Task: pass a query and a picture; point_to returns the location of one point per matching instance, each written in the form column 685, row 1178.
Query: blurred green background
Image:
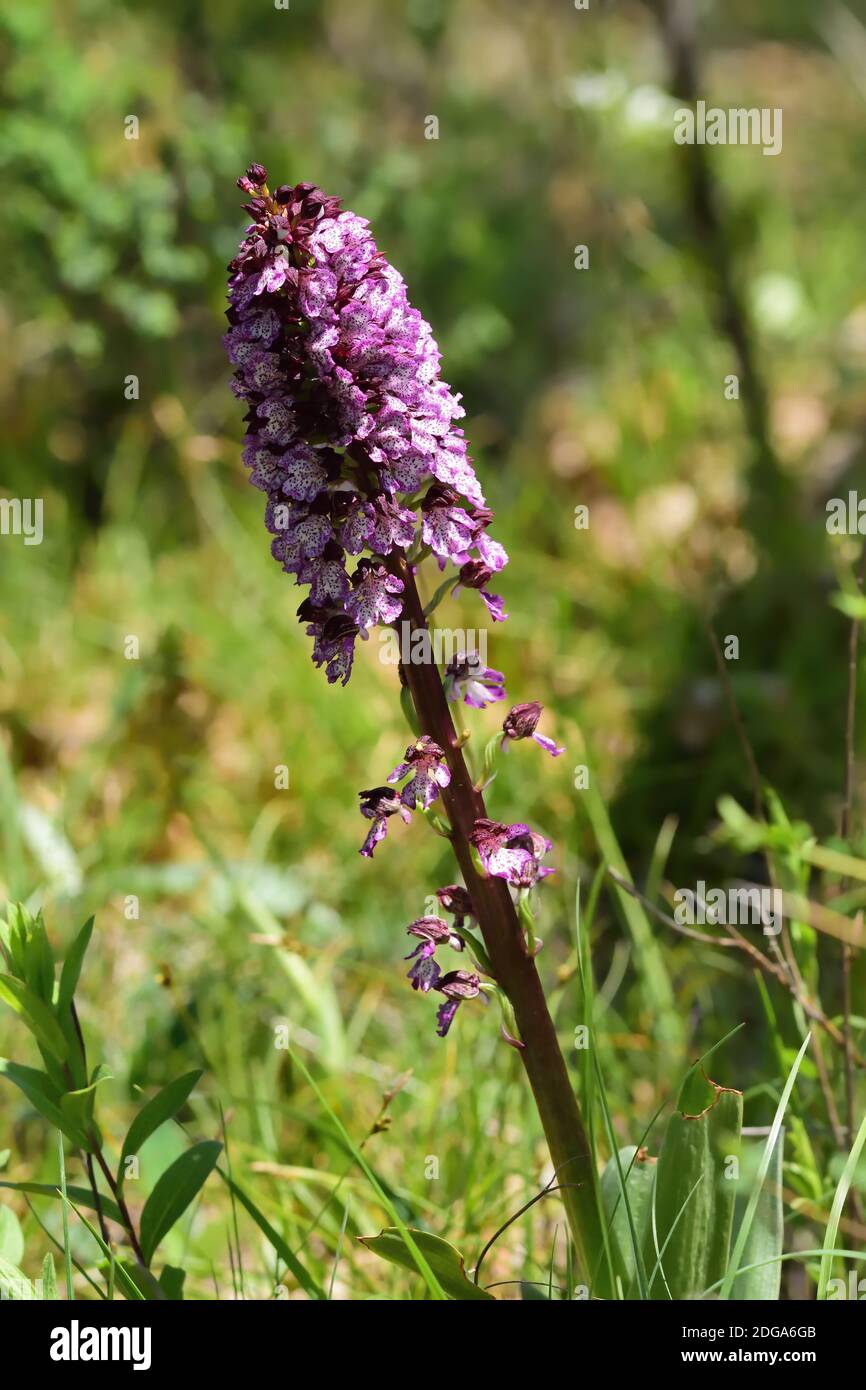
column 603, row 387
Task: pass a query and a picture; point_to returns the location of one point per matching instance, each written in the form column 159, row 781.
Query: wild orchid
column 352, row 436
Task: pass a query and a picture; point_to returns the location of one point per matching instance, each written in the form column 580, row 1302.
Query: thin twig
column 122, row 1207
column 552, row 1186
column 742, row 943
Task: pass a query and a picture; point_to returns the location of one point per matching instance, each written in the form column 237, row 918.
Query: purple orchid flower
column 475, row 575
column 457, row 986
column 468, row 679
column 347, row 416
column 455, row 899
column 377, row 805
column 522, row 721
column 426, row 761
column 512, row 852
column 425, row 973
column 374, row 596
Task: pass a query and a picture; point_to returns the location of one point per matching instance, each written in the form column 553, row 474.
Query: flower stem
column 513, row 967
column 122, row 1207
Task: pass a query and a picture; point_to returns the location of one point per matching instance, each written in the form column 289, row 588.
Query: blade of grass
column 67, row 1253
column 766, row 1157
column 435, row 1288
column 304, row 1278
column 789, row 1255
column 836, row 1209
column 131, row 1289
column 616, row 1274
column 649, row 961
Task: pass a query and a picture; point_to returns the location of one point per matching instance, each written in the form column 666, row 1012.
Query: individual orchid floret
column 426, row 761
column 457, row 986
column 455, row 899
column 448, row 528
column 377, row 804
column 475, row 575
column 468, row 679
column 511, row 852
column 425, row 973
column 521, row 722
column 433, row 932
column 334, row 646
column 374, row 596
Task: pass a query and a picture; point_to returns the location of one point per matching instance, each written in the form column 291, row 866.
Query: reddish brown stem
column 513, row 968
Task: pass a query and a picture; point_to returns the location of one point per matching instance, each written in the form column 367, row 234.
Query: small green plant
column 64, row 1091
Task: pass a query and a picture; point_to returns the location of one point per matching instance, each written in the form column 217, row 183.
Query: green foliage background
column 605, row 387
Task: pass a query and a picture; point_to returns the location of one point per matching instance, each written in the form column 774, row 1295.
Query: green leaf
column 39, row 960
column 82, row 1196
column 445, row 1260
column 178, row 1186
column 72, row 965
column 286, row 1254
column 49, row 1280
column 16, row 934
column 693, row 1206
column 147, row 1284
column 638, row 1171
column 748, row 1216
column 77, row 1107
column 852, row 605
column 11, row 1236
column 764, row 1243
column 44, row 1096
column 155, row 1113
column 14, row 1285
column 36, row 1014
column 171, row 1281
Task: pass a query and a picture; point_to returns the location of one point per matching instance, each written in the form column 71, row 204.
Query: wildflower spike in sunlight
column 347, row 416
column 352, row 437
